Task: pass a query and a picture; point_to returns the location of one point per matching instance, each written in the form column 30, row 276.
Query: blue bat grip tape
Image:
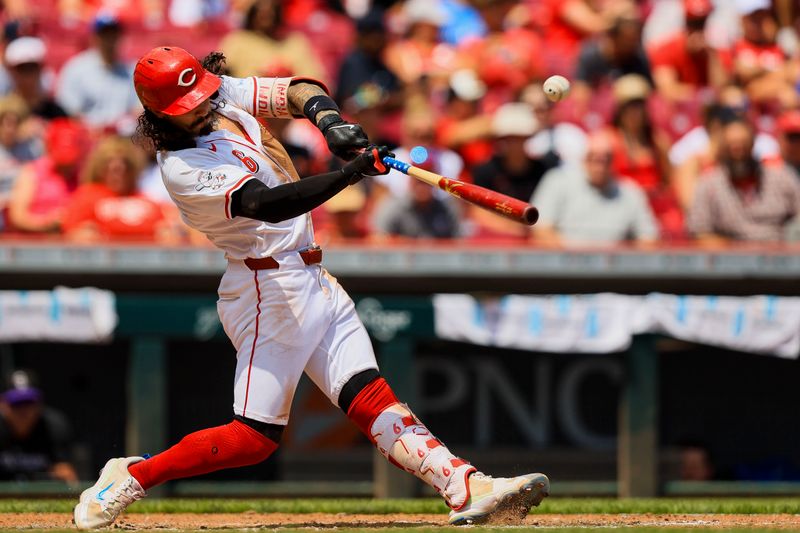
column 395, row 164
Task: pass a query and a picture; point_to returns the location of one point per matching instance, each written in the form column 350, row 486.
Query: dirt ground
column 320, row 520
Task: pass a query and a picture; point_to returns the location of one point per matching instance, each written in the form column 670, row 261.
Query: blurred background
column 641, row 339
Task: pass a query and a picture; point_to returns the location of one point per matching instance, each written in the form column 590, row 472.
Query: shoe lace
column 122, row 497
column 480, row 476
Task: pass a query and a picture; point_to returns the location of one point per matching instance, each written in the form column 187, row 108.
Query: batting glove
column 368, row 163
column 345, row 140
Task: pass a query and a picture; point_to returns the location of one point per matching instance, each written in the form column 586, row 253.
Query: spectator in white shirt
column 97, row 86
column 589, row 205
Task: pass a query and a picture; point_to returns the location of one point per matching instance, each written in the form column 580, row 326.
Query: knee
column 273, row 432
column 355, row 385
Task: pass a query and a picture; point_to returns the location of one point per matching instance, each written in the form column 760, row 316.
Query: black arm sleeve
column 256, row 200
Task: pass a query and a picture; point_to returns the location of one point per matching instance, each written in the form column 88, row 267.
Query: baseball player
column 283, row 312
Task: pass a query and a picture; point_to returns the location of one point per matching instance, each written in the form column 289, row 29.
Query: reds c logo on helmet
column 189, row 83
column 172, row 81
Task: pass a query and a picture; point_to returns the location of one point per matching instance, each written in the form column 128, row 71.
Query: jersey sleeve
column 201, row 184
column 262, row 97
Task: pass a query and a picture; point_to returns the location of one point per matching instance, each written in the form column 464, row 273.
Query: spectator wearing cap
column 420, row 54
column 463, row 126
column 683, row 63
column 789, row 138
column 24, row 59
column 757, row 62
column 96, row 85
column 264, row 47
column 35, row 440
column 741, row 199
column 365, row 63
column 589, row 205
column 343, row 217
column 511, row 170
column 640, row 152
column 44, row 186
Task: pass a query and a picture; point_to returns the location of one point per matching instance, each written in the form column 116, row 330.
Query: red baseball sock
column 369, row 403
column 207, row 450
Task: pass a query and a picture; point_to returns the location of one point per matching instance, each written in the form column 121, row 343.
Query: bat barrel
column 496, row 202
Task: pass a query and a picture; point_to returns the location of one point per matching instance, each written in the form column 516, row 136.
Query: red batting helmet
column 172, row 81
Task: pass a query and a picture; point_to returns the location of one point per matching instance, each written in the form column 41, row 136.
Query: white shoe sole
column 513, row 505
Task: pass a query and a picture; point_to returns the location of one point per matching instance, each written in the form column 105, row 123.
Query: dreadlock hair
column 162, row 134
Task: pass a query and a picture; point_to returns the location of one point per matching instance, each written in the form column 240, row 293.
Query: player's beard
column 206, row 125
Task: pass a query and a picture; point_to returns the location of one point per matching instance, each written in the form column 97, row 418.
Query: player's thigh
column 274, row 326
column 345, row 348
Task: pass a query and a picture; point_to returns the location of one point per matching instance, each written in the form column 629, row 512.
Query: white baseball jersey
column 284, row 321
column 201, row 180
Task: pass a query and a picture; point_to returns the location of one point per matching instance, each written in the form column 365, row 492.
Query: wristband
column 318, row 103
column 329, row 120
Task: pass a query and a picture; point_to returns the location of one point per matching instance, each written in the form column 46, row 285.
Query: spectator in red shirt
column 756, row 60
column 44, row 186
column 566, row 24
column 683, row 63
column 107, row 205
column 463, row 127
column 640, row 152
column 506, row 59
column 789, row 138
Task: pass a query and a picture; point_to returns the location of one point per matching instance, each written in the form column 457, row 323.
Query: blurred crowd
column 683, row 123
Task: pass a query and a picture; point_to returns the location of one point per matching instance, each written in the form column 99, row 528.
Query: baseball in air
column 556, row 88
column 419, row 155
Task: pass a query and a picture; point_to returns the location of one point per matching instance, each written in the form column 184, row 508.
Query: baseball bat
column 503, row 205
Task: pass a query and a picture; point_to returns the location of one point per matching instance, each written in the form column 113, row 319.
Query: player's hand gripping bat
column 503, row 205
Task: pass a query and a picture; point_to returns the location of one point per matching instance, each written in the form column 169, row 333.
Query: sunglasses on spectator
column 599, row 157
column 27, row 67
column 793, row 136
column 696, row 23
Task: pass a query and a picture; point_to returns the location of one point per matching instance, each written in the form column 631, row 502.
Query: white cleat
column 500, row 499
column 116, row 489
